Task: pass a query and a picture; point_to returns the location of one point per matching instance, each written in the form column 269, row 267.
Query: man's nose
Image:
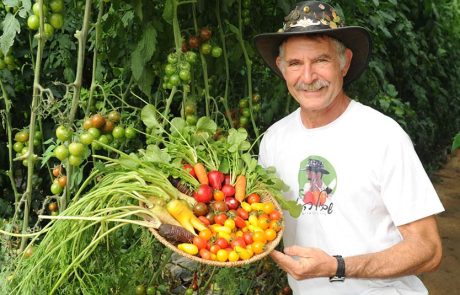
column 308, row 75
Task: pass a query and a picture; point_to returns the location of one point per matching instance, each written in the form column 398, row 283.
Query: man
column 380, row 230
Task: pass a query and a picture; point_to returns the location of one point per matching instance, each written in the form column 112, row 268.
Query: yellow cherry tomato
column 257, row 206
column 258, row 247
column 229, row 223
column 246, row 206
column 268, row 207
column 270, row 234
column 253, row 220
column 222, row 255
column 188, row 248
column 233, row 256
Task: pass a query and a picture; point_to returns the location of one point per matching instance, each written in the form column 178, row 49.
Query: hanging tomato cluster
column 53, row 20
column 21, row 143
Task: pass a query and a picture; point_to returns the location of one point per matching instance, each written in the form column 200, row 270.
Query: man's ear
column 348, row 57
column 279, row 64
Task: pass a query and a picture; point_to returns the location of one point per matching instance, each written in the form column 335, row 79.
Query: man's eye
column 294, row 63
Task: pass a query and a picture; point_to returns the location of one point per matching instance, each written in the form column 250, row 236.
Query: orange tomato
column 253, row 198
column 270, row 234
column 205, row 234
column 214, row 249
column 263, row 222
column 259, row 236
column 268, row 207
column 205, row 254
column 218, row 195
column 275, row 215
column 258, row 247
column 276, row 225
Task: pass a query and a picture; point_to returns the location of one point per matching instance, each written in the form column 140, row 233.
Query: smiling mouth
column 311, row 87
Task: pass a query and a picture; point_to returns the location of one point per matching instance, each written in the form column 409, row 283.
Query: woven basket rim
column 269, row 246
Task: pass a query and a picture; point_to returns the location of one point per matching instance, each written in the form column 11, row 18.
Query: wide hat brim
column 357, row 39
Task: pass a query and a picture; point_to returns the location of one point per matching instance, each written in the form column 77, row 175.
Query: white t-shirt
column 375, row 182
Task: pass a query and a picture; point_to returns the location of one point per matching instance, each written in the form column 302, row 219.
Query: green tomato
column 189, row 291
column 256, row 107
column 38, row 135
column 151, row 291
column 205, row 48
column 140, row 290
column 56, row 5
column 104, row 139
column 96, row 133
column 244, row 103
column 246, row 113
column 190, row 57
column 56, row 20
column 185, row 66
column 49, row 31
column 170, row 69
column 86, row 138
column 244, row 122
column 61, row 152
column 75, row 160
column 76, row 149
column 114, row 116
column 130, row 132
column 63, row 133
column 36, row 9
column 216, row 51
column 184, row 75
column 96, row 145
column 22, row 136
column 174, row 80
column 33, row 22
column 172, row 58
column 118, row 132
column 18, row 146
column 36, row 142
column 55, row 189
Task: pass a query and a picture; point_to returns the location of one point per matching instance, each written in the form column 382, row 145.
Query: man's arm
column 419, row 251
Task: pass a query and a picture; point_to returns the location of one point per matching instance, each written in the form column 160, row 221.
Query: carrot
column 201, row 174
column 240, row 188
column 175, row 234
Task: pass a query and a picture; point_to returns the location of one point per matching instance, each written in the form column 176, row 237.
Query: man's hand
column 303, row 263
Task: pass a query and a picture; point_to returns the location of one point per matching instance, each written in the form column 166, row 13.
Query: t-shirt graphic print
column 317, row 184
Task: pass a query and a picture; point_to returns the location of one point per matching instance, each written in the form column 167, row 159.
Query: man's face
column 311, row 68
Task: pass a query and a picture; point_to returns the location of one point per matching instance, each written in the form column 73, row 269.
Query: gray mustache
column 318, row 84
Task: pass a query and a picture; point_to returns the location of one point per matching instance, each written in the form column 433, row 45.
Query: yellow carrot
column 240, row 188
column 182, row 213
column 201, row 174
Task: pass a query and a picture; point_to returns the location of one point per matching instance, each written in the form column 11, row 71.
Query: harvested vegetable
column 240, row 188
column 175, row 234
column 182, row 213
column 201, row 174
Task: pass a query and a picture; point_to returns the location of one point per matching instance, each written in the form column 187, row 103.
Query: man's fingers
column 297, row 251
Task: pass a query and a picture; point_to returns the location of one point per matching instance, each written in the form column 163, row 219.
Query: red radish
column 203, row 193
column 227, row 179
column 228, row 190
column 215, row 179
column 190, row 169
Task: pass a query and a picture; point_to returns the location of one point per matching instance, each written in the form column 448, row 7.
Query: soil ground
column 447, row 183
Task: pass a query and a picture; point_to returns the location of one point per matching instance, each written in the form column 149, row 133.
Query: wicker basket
column 268, row 247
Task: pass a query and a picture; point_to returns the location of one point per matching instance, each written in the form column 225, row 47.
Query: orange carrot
column 240, row 188
column 201, row 174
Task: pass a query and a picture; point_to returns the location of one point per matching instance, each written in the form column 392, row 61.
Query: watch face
column 336, row 279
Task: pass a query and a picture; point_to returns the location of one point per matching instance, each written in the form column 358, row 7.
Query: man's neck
column 315, row 119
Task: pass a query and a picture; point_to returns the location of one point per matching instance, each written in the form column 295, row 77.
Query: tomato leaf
column 149, row 116
column 10, row 27
column 168, row 11
column 143, row 51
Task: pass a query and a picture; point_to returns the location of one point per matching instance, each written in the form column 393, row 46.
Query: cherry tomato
column 63, row 133
column 114, row 116
column 253, row 198
column 200, row 209
column 55, row 189
column 222, row 255
column 130, row 132
column 86, row 138
column 94, row 132
column 57, row 170
column 190, row 169
column 18, row 146
column 49, row 30
column 205, row 220
column 191, row 56
column 205, row 48
column 221, row 242
column 239, row 241
column 184, row 75
column 219, row 206
column 216, row 51
column 270, row 234
column 36, row 9
column 33, row 22
column 62, row 181
column 188, row 248
column 275, row 215
column 276, row 225
column 118, row 132
column 194, row 42
column 76, row 148
column 56, row 5
column 258, row 247
column 172, row 58
column 170, row 69
column 97, row 121
column 200, row 242
column 220, row 218
column 218, row 195
column 205, row 234
column 61, row 152
column 239, row 222
column 247, row 236
column 75, row 160
column 140, row 290
column 242, row 213
column 205, row 34
column 56, row 20
column 22, row 136
column 87, row 124
column 259, row 236
column 52, row 207
column 214, row 248
column 108, row 126
column 205, row 254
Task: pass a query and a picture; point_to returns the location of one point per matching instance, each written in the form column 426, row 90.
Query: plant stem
column 227, row 71
column 93, row 86
column 27, row 197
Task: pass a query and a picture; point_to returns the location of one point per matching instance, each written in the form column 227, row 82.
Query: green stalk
column 203, row 65
column 227, row 71
column 9, row 129
column 248, row 68
column 36, row 95
column 93, row 86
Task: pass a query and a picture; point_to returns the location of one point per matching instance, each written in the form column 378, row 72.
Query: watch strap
column 340, row 273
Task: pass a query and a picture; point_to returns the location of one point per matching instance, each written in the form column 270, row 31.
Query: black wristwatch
column 340, row 273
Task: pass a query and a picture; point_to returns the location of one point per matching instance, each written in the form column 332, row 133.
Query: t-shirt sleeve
column 406, row 188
